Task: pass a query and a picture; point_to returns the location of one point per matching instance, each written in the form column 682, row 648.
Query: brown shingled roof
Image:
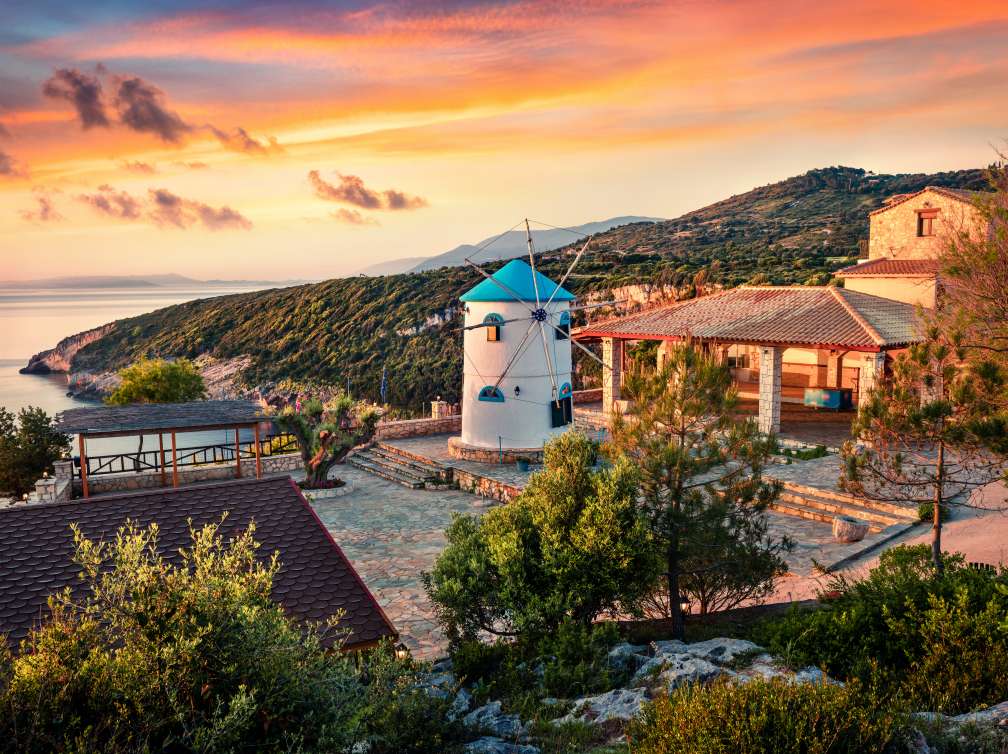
column 152, row 417
column 894, row 201
column 315, row 580
column 785, row 315
column 886, row 267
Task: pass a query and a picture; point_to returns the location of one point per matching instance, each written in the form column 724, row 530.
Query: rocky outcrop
column 60, row 358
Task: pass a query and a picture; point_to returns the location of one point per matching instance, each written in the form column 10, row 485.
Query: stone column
column 769, row 389
column 870, row 371
column 663, row 353
column 612, row 378
column 834, row 369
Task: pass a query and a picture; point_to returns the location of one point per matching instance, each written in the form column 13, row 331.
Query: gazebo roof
column 786, row 315
column 516, row 283
column 155, row 417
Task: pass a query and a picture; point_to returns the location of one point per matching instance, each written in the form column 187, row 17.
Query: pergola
column 162, row 418
column 832, row 323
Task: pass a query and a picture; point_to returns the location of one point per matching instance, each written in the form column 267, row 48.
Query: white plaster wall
column 522, row 422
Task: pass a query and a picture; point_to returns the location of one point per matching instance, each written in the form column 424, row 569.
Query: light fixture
column 401, row 651
column 517, row 391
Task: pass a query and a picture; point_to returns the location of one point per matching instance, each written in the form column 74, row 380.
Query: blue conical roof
column 516, row 276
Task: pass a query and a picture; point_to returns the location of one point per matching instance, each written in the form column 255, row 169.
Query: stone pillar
column 63, row 470
column 664, row 348
column 440, row 409
column 834, row 369
column 769, row 389
column 870, row 371
column 612, row 378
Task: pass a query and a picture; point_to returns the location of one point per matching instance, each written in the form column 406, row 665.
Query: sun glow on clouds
column 488, row 110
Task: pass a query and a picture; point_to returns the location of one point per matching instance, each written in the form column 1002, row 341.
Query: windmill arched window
column 491, row 394
column 562, row 409
column 563, row 329
column 493, row 324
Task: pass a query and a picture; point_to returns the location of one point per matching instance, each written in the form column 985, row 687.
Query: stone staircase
column 824, row 505
column 401, row 467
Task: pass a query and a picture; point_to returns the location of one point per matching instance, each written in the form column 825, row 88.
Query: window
column 491, row 394
column 925, row 222
column 561, row 412
column 493, row 331
column 563, row 329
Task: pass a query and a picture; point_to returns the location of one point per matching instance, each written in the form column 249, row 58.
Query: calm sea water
column 33, row 320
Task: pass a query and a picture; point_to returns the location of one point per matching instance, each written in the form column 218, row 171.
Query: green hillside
column 796, row 231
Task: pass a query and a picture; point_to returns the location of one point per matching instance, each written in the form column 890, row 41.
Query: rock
column 722, row 651
column 438, row 685
column 491, row 745
column 682, row 669
column 628, row 656
column 996, row 715
column 849, row 529
column 670, row 647
column 618, row 704
column 490, row 718
column 917, row 744
column 460, row 705
column 813, row 675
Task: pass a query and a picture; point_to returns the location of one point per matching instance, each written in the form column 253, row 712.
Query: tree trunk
column 936, row 526
column 675, row 608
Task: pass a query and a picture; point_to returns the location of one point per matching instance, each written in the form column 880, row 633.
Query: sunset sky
column 278, row 140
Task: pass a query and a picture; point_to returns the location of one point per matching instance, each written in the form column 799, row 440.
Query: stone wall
column 278, row 464
column 893, row 231
column 485, row 486
column 418, row 427
column 588, row 396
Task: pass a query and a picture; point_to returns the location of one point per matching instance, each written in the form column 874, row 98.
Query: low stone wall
column 278, row 464
column 588, row 396
column 52, row 490
column 485, row 486
column 418, row 427
column 466, row 452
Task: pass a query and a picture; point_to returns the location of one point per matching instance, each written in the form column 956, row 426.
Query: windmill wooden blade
column 492, row 324
column 578, row 345
column 549, row 359
column 569, row 271
column 501, row 285
column 596, row 306
column 519, row 350
column 535, row 283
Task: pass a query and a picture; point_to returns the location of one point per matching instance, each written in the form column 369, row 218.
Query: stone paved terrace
column 391, row 534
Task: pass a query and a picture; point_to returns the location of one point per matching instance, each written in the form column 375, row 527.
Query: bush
column 925, row 511
column 936, row 640
column 573, row 545
column 771, row 716
column 158, row 381
column 28, row 446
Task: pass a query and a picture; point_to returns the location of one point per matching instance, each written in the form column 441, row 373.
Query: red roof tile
column 892, row 268
column 786, row 315
column 315, row 580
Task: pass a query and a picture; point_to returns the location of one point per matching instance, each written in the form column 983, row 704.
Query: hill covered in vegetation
column 796, row 231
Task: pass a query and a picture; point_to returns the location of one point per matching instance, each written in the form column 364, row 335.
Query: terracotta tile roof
column 315, row 579
column 953, row 193
column 786, row 315
column 892, row 268
column 157, row 416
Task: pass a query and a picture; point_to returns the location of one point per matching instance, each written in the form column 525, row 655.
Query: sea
column 36, row 319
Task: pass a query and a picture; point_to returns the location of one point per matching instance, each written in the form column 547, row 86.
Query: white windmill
column 517, row 374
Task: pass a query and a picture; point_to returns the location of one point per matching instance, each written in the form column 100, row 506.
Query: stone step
column 814, row 514
column 424, row 468
column 393, row 450
column 392, row 465
column 819, row 493
column 835, row 508
column 364, row 464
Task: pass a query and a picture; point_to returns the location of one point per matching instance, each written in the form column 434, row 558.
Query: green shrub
column 925, row 511
column 936, row 640
column 573, row 545
column 771, row 716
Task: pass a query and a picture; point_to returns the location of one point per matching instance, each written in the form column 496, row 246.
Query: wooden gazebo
column 160, row 419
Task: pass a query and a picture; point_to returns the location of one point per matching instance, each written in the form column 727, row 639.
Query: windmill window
column 561, row 412
column 563, row 329
column 493, row 324
column 491, row 394
column 926, row 222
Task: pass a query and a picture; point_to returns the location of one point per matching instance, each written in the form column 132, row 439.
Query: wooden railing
column 196, row 455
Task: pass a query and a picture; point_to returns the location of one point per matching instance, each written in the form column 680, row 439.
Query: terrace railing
column 194, row 455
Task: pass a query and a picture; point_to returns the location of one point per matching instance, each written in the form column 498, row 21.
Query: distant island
column 170, row 280
column 512, row 244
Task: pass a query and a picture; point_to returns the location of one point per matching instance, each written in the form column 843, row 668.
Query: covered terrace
column 805, row 346
column 164, row 419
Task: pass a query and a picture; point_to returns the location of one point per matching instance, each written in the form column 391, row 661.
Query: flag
column 384, row 385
